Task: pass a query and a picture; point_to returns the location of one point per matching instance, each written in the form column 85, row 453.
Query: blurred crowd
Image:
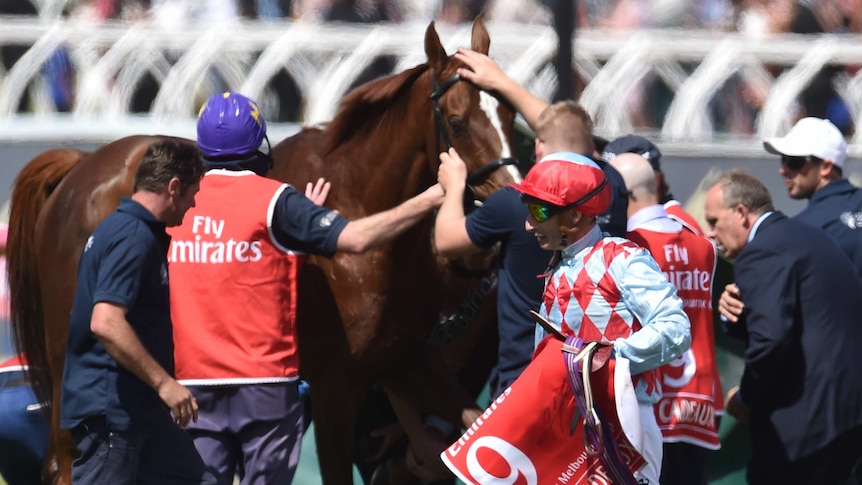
column 734, row 109
column 753, row 17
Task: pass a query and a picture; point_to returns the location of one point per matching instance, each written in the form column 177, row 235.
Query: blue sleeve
column 493, row 222
column 121, row 269
column 665, row 328
column 300, row 225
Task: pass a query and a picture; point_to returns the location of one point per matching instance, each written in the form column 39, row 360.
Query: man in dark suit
column 802, row 384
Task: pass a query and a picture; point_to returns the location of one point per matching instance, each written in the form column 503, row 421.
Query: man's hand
column 452, row 173
column 318, row 191
column 183, row 405
column 423, row 457
column 730, row 304
column 734, row 406
column 389, row 435
column 481, row 70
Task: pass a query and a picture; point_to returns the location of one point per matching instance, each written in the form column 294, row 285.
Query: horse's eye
column 459, row 127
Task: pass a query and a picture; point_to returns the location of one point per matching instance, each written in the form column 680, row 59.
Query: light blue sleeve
column 666, row 330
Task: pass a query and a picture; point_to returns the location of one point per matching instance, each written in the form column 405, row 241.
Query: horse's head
column 477, row 124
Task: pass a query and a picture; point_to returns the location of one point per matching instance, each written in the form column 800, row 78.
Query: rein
column 598, row 436
column 443, row 140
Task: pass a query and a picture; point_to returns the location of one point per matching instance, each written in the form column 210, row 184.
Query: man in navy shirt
column 482, row 71
column 119, row 397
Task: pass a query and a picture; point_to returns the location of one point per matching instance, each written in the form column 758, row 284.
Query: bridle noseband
column 442, row 138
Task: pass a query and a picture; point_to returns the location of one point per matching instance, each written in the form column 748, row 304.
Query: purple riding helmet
column 230, row 124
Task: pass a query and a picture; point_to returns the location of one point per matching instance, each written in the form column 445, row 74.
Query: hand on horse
column 389, row 435
column 452, row 173
column 482, row 71
column 423, row 456
column 183, row 405
column 729, row 304
column 318, row 191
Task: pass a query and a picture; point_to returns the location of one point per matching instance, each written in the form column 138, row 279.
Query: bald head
column 640, row 180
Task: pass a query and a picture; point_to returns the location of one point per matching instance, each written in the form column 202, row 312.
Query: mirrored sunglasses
column 540, row 212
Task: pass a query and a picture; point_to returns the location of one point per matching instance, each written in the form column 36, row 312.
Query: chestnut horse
column 364, row 319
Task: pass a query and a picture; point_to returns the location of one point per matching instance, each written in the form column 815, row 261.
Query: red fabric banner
column 526, row 438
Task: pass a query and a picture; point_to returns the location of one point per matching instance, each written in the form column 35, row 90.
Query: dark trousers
column 23, row 431
column 254, row 431
column 159, row 453
column 830, row 465
column 683, row 464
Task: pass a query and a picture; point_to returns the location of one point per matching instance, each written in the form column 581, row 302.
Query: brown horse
column 364, row 319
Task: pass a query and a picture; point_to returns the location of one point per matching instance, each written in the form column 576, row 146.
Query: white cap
column 811, row 137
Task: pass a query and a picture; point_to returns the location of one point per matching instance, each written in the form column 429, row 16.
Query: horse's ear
column 437, row 57
column 481, row 40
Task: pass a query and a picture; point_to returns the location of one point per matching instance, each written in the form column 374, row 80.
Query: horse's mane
column 365, row 103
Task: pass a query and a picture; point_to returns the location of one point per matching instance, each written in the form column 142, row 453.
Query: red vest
column 676, row 212
column 233, row 288
column 691, row 389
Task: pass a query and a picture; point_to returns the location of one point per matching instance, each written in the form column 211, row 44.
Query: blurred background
column 706, row 80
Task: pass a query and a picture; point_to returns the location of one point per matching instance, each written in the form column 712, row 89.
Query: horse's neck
column 395, row 154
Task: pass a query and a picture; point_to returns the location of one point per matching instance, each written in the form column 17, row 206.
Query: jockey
column 234, row 268
column 602, row 288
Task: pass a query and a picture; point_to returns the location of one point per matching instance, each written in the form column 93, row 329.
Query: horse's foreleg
column 425, row 444
column 334, row 414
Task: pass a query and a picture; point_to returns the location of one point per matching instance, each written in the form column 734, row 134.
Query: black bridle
column 442, row 138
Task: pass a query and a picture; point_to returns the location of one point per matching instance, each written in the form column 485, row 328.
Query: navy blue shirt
column 124, row 262
column 501, row 219
column 301, row 225
column 837, row 208
column 614, row 220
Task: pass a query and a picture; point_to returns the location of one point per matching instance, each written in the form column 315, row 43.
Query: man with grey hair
column 799, row 390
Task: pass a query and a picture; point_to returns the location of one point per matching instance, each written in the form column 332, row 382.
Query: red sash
column 529, row 435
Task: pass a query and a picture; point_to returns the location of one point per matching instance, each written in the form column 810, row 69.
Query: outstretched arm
column 450, row 228
column 372, row 231
column 486, row 74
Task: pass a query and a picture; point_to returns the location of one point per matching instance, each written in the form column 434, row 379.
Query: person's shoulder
column 117, row 225
column 781, row 236
column 504, row 198
column 613, row 245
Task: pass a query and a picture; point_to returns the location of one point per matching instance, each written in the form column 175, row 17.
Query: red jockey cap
column 567, row 180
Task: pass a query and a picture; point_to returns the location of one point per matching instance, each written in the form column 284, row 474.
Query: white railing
column 111, row 59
